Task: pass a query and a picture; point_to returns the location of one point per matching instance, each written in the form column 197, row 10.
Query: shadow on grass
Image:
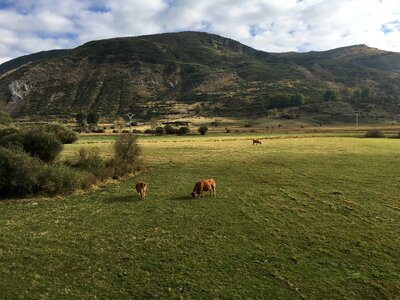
column 123, row 198
column 179, row 198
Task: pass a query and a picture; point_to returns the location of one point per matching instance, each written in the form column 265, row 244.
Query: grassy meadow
column 294, row 218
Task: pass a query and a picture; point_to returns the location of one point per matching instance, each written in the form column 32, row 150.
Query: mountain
column 188, row 73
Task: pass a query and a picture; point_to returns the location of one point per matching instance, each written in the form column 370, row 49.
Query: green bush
column 42, row 144
column 183, row 131
column 13, row 139
column 7, row 131
column 58, row 179
column 159, row 130
column 169, row 129
column 374, row 133
column 65, row 135
column 97, row 130
column 18, row 172
column 21, row 174
column 90, row 161
column 150, row 131
column 127, row 148
column 5, row 118
column 202, row 130
column 126, row 155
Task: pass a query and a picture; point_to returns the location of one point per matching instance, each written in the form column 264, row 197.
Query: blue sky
column 28, row 26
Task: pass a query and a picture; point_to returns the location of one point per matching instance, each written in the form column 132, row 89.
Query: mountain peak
column 186, row 73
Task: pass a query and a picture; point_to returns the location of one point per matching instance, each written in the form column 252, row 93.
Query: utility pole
column 130, row 116
column 356, row 114
column 268, row 122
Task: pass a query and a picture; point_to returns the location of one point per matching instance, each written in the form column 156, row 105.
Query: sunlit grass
column 307, row 217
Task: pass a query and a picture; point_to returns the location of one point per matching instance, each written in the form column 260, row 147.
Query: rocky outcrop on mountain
column 17, row 90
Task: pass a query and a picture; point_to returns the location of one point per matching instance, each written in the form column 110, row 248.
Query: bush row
column 126, row 159
column 22, row 174
column 44, row 142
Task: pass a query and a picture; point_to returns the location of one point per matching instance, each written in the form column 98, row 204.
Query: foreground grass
column 293, row 218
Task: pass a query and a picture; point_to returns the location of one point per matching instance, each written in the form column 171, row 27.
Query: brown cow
column 255, row 142
column 204, row 185
column 141, row 188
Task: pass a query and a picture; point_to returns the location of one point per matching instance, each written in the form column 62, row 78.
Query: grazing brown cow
column 204, row 185
column 141, row 188
column 255, row 142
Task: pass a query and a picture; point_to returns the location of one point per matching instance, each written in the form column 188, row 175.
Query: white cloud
column 291, row 25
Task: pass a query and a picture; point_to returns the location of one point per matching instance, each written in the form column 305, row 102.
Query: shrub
column 126, row 155
column 202, row 130
column 150, row 131
column 58, row 179
column 42, row 144
column 115, row 131
column 169, row 129
column 90, row 161
column 214, row 123
column 159, row 130
column 374, row 133
column 183, row 130
column 18, row 172
column 13, row 139
column 125, row 131
column 97, row 130
column 127, row 148
column 7, row 131
column 5, row 118
column 65, row 135
column 37, row 142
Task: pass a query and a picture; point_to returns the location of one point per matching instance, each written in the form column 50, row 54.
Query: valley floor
column 294, row 218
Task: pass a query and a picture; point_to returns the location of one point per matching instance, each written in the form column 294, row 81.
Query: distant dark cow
column 255, row 142
column 204, row 185
column 141, row 188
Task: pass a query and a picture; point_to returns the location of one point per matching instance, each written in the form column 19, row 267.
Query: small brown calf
column 141, row 188
column 255, row 142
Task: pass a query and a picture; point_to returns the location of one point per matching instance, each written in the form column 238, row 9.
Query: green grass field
column 294, row 218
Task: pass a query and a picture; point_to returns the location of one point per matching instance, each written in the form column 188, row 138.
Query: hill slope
column 181, row 74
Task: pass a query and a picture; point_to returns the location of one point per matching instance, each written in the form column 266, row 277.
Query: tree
column 81, row 119
column 366, row 93
column 169, row 129
column 93, row 118
column 183, row 130
column 297, row 100
column 202, row 130
column 160, row 130
column 330, row 95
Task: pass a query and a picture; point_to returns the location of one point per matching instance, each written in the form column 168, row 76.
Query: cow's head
column 194, row 195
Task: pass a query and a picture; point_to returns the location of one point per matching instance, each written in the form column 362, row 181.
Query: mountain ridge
column 188, row 73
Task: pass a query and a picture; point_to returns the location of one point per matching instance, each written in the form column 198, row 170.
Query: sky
column 29, row 26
